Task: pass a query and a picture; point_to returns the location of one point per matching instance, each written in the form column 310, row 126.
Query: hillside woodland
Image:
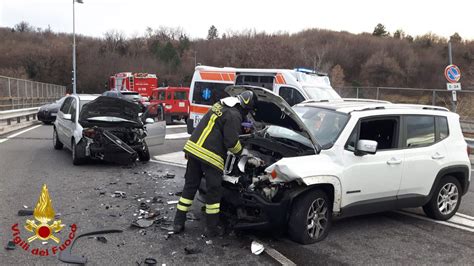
column 368, row 59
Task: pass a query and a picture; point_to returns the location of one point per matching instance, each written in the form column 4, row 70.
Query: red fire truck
column 142, row 83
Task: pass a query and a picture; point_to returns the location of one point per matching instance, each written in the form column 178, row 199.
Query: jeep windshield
column 324, row 124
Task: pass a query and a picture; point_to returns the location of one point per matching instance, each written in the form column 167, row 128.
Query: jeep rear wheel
column 310, row 217
column 445, row 200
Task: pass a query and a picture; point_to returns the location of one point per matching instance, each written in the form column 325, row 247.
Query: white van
column 293, row 85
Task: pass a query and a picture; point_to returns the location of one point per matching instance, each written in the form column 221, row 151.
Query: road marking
column 456, row 221
column 176, row 126
column 465, row 216
column 182, row 135
column 168, row 163
column 18, row 133
column 278, row 256
column 174, row 158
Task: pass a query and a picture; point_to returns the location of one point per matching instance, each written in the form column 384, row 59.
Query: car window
column 420, row 130
column 72, row 110
column 291, row 96
column 384, row 130
column 66, row 105
column 442, row 125
column 209, row 93
column 161, row 95
column 180, row 95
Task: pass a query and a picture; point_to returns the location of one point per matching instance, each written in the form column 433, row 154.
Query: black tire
column 77, row 159
column 144, row 155
column 56, row 142
column 298, row 225
column 432, row 208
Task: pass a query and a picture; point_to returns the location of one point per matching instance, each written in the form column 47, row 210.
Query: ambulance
column 293, row 85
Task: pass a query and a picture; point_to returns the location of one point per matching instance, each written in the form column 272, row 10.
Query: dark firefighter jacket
column 217, row 132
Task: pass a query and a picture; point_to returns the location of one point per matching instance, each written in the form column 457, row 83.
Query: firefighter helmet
column 247, row 100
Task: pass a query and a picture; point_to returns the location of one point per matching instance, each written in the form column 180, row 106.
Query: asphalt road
column 82, row 196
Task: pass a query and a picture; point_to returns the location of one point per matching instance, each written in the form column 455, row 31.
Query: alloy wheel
column 448, row 198
column 317, row 219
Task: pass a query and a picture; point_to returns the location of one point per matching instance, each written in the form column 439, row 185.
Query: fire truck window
column 180, row 95
column 168, row 95
column 161, row 95
column 209, row 93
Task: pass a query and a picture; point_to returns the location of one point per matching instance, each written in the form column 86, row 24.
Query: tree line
column 379, row 58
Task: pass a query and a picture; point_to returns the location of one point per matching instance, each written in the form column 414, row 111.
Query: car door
column 61, row 121
column 425, row 153
column 373, row 180
column 156, row 130
column 69, row 124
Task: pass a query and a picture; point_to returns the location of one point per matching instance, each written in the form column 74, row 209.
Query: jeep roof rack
column 364, row 100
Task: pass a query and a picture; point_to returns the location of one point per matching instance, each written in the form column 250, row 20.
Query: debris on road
column 167, row 228
column 10, row 245
column 257, row 248
column 171, row 202
column 25, row 212
column 150, row 261
column 142, row 223
column 119, row 194
column 24, row 206
column 191, row 251
column 101, row 239
column 209, row 242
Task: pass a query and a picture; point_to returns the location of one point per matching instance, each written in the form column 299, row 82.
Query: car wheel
column 446, row 199
column 144, row 155
column 56, row 143
column 310, row 217
column 76, row 158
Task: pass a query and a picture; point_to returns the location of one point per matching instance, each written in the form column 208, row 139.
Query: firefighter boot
column 213, row 228
column 179, row 220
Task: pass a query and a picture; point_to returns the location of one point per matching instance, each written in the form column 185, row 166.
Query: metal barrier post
column 377, row 93
column 433, row 100
column 357, row 92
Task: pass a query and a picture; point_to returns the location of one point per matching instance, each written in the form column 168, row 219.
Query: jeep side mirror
column 365, row 146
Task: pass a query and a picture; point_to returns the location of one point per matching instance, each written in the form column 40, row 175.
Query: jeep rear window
column 208, row 93
column 420, row 130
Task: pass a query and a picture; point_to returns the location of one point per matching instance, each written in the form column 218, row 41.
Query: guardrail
column 14, row 119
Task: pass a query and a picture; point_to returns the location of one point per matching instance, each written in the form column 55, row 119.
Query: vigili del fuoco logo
column 44, row 228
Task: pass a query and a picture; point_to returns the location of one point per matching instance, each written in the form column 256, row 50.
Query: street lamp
column 74, row 46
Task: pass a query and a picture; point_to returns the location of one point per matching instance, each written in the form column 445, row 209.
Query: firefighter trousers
column 196, row 170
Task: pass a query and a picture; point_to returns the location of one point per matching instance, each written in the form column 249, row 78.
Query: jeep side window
column 382, row 130
column 442, row 126
column 420, row 130
column 290, row 95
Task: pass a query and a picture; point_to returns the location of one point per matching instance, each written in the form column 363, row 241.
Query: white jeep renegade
column 317, row 160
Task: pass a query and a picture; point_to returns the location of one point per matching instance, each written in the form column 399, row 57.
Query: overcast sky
column 95, row 17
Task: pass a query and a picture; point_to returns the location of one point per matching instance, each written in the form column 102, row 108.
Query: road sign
column 453, row 86
column 452, row 73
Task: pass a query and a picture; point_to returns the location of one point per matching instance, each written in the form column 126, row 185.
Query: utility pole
column 74, row 83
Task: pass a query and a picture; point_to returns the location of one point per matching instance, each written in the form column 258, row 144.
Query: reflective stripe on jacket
column 217, row 132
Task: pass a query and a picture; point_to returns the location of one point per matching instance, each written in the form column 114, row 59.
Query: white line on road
column 18, row 133
column 175, row 126
column 278, row 256
column 183, row 135
column 458, row 221
column 174, row 158
column 465, row 216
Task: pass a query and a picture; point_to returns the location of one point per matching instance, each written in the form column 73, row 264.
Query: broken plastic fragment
column 170, row 202
column 101, row 239
column 190, row 251
column 10, row 245
column 142, row 223
column 257, row 248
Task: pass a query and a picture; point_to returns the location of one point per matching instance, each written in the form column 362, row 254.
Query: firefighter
column 217, row 133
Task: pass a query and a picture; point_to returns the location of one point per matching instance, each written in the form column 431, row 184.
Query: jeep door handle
column 394, row 161
column 437, row 156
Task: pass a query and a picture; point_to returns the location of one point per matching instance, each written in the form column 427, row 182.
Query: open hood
column 273, row 110
column 104, row 106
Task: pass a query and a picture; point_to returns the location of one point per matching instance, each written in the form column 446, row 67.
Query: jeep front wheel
column 310, row 218
column 445, row 200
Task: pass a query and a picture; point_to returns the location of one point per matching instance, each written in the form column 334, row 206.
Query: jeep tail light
column 89, row 132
